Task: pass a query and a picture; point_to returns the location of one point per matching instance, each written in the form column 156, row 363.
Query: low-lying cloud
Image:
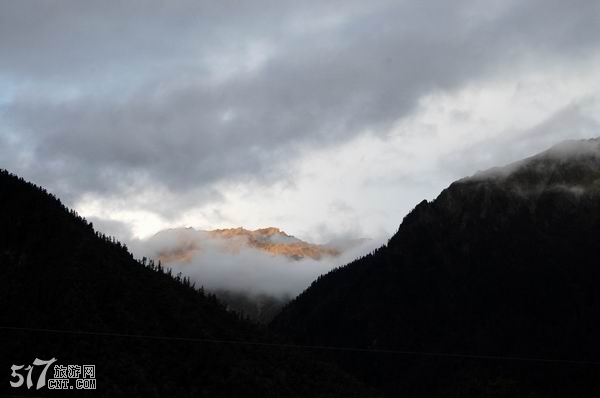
column 248, row 270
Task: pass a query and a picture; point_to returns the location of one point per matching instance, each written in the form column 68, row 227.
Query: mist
column 247, row 270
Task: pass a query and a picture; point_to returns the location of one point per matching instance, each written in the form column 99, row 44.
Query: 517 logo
column 41, row 382
column 83, row 376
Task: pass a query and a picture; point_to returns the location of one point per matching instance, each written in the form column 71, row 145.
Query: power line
column 306, row 347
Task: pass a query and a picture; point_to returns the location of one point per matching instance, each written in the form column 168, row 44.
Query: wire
column 306, row 347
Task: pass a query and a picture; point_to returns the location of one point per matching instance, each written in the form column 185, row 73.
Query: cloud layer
column 151, row 113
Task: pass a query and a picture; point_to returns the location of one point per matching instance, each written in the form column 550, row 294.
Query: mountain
column 491, row 289
column 181, row 244
column 69, row 292
column 255, row 272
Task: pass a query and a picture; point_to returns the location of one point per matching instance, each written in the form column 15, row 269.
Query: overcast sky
column 323, row 118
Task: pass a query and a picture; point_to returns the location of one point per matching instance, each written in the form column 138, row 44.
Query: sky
column 323, row 118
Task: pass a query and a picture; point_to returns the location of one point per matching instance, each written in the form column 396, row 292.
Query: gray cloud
column 114, row 96
column 117, row 229
column 570, row 122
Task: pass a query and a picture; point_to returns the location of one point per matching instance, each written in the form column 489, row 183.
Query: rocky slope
column 182, row 243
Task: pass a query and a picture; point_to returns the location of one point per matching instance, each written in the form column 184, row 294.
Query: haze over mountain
column 254, row 272
column 501, row 264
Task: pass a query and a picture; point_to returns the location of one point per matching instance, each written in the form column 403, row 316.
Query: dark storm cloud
column 62, row 39
column 186, row 94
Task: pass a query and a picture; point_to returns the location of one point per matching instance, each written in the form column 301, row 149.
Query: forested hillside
column 502, row 264
column 73, row 294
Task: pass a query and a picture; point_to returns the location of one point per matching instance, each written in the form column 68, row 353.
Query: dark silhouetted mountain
column 58, row 274
column 260, row 308
column 504, row 264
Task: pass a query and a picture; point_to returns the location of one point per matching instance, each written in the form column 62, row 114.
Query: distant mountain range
column 183, row 243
